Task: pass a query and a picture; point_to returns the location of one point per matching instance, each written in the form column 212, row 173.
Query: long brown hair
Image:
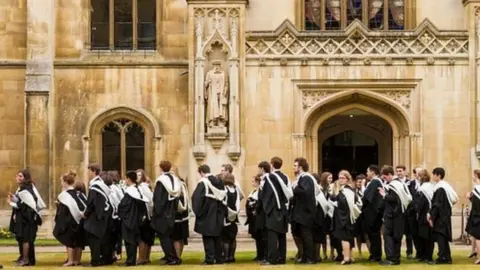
column 424, row 176
column 324, row 181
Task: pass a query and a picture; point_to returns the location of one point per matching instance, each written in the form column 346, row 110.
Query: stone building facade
column 345, row 83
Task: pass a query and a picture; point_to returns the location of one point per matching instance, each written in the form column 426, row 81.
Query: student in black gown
column 423, row 204
column 147, row 233
column 209, row 209
column 396, row 200
column 117, row 193
column 346, row 212
column 98, row 219
column 440, row 218
column 359, row 231
column 473, row 223
column 25, row 218
column 335, row 244
column 297, row 239
column 132, row 211
column 373, row 213
column 410, row 215
column 319, row 236
column 165, row 205
column 68, row 219
column 181, row 229
column 230, row 228
column 274, row 196
column 325, row 183
column 81, row 190
column 250, row 207
column 304, row 209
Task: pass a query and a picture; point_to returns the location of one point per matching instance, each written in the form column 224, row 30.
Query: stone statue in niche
column 216, row 96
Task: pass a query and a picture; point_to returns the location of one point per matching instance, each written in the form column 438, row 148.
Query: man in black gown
column 440, row 218
column 411, row 223
column 373, row 212
column 396, row 199
column 209, row 209
column 165, row 204
column 276, row 163
column 274, row 203
column 99, row 222
column 304, row 210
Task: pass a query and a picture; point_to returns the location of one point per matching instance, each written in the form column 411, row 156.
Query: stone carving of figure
column 216, row 95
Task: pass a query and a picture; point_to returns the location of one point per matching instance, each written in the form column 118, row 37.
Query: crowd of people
column 314, row 207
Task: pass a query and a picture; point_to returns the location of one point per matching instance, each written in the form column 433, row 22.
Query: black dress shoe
column 207, row 263
column 472, row 255
column 266, row 263
column 387, row 262
column 440, row 262
column 173, row 263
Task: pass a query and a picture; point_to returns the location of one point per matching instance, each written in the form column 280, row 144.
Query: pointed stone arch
column 92, row 139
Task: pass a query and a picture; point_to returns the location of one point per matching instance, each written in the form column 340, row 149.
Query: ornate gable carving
column 426, row 41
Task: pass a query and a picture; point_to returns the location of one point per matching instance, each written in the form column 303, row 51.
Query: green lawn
column 193, row 259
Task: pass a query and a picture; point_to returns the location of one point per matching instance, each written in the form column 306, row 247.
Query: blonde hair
column 348, row 176
column 477, row 173
column 336, row 187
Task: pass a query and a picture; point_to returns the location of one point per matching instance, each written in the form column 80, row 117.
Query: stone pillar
column 38, row 85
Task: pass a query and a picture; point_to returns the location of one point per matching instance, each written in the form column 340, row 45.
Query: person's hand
column 469, row 195
column 381, row 191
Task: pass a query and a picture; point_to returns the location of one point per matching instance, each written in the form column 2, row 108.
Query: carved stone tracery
column 425, row 42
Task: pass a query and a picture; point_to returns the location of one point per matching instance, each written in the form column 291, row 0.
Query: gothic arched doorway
column 352, row 140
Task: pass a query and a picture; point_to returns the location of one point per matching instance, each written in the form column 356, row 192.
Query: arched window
column 123, row 24
column 338, row 14
column 123, row 146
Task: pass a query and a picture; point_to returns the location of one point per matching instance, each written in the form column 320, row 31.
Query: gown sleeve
column 198, row 200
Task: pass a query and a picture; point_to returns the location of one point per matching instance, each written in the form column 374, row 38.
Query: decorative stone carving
column 367, row 61
column 216, row 91
column 310, row 98
column 357, row 40
column 401, row 97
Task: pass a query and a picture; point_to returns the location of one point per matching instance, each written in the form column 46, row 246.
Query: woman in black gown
column 359, row 231
column 230, row 229
column 25, row 218
column 473, row 223
column 250, row 206
column 325, row 183
column 423, row 206
column 68, row 217
column 319, row 235
column 180, row 229
column 345, row 215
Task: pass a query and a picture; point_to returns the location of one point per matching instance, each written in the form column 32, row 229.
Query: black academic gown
column 250, row 206
column 422, row 207
column 132, row 213
column 393, row 217
column 304, row 209
column 24, row 220
column 66, row 228
column 411, row 226
column 209, row 212
column 473, row 223
column 275, row 218
column 99, row 221
column 372, row 207
column 343, row 229
column 164, row 210
column 441, row 214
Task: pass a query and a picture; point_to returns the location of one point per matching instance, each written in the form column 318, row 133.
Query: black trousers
column 425, row 248
column 166, row 242
column 308, row 245
column 336, row 244
column 375, row 245
column 277, row 247
column 31, row 252
column 131, row 250
column 213, row 249
column 444, row 253
column 117, row 243
column 260, row 246
column 95, row 249
column 392, row 248
column 412, row 241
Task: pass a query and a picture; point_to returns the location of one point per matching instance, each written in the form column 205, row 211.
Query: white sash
column 40, row 203
column 254, row 196
column 451, row 194
column 354, row 210
column 286, row 191
column 219, row 195
column 232, row 214
column 133, row 192
column 100, row 187
column 173, row 192
column 147, row 192
column 427, row 190
column 402, row 191
column 185, row 205
column 66, row 199
column 476, row 191
column 27, row 198
column 322, row 201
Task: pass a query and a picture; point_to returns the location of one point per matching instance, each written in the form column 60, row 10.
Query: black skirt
column 147, row 233
column 229, row 233
column 181, row 232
